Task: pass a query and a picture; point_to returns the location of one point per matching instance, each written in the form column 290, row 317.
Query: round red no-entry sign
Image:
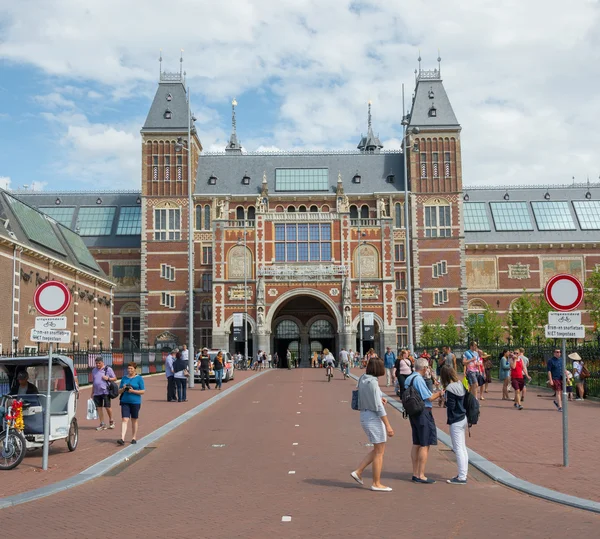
column 564, row 292
column 52, row 298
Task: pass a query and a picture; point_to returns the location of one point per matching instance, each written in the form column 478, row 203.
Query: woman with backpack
column 456, row 395
column 505, row 373
column 374, row 421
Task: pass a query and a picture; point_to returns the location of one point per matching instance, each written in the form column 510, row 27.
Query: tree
column 427, row 335
column 522, row 320
column 486, row 327
column 541, row 310
column 451, row 334
column 438, row 330
column 592, row 297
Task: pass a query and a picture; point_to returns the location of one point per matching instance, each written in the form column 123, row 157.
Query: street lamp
column 360, row 313
column 239, row 242
column 179, row 146
column 406, row 144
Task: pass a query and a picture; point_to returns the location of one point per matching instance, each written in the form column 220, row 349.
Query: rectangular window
column 167, row 224
column 167, row 272
column 400, row 280
column 155, row 168
column 301, row 179
column 303, row 243
column 511, row 216
column 121, row 272
column 167, row 168
column 198, row 217
column 402, row 334
column 437, row 222
column 401, row 310
column 399, row 252
column 435, row 165
column 207, row 282
column 207, row 255
column 130, row 221
column 476, row 219
column 551, row 215
column 440, row 297
column 167, row 300
column 179, row 168
column 423, row 156
column 588, row 214
column 61, row 214
column 439, row 269
column 95, row 221
column 206, row 338
column 447, row 164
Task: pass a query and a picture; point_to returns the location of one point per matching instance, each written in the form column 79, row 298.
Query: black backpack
column 113, row 388
column 412, row 401
column 472, row 409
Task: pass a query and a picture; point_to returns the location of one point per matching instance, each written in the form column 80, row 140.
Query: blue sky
column 77, row 78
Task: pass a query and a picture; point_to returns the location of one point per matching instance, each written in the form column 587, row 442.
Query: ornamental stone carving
column 334, row 292
column 239, row 260
column 518, row 271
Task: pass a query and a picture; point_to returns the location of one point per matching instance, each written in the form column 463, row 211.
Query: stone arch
column 130, row 308
column 376, row 317
column 477, row 304
column 229, row 324
column 324, row 298
column 235, row 262
column 369, row 259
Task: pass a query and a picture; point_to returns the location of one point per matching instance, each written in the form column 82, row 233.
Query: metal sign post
column 47, row 414
column 564, row 293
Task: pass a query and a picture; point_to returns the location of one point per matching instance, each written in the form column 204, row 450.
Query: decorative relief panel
column 399, row 234
column 239, row 258
column 369, row 291
column 519, row 271
column 367, row 262
column 334, row 292
column 236, row 293
column 273, row 292
column 481, row 273
column 202, row 236
column 561, row 264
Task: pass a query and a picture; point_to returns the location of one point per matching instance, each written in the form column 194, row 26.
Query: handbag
column 354, row 403
column 92, row 411
column 584, row 373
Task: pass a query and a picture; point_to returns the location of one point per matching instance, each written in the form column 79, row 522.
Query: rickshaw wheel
column 12, row 450
column 73, row 438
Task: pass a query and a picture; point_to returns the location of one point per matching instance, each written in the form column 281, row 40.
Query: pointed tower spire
column 160, row 64
column 439, row 63
column 234, row 145
column 370, row 143
column 181, row 65
column 419, row 60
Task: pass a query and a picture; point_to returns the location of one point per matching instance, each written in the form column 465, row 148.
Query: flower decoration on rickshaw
column 16, row 415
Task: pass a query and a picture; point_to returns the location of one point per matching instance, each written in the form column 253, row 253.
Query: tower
column 166, row 155
column 370, row 143
column 435, row 176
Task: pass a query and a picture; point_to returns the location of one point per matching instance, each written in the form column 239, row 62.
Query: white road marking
column 286, row 519
column 296, row 425
column 291, row 472
column 295, row 443
column 298, row 412
column 218, row 445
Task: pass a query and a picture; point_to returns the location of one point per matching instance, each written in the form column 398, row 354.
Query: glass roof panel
column 511, row 216
column 130, row 221
column 62, row 214
column 79, row 248
column 551, row 215
column 476, row 219
column 588, row 214
column 301, row 179
column 95, row 221
column 36, row 226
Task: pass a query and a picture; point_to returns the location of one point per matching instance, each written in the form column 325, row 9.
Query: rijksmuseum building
column 304, row 241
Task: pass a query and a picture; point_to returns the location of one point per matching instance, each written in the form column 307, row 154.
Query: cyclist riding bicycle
column 328, row 361
column 344, row 362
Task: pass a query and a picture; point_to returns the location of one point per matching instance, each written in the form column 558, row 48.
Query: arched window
column 314, row 209
column 206, row 217
column 198, row 217
column 398, row 211
column 364, row 212
column 353, row 212
column 302, row 209
column 287, row 329
column 251, row 213
column 206, row 310
column 291, row 209
column 239, row 213
column 321, row 329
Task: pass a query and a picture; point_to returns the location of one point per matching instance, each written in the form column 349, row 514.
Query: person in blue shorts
column 130, row 392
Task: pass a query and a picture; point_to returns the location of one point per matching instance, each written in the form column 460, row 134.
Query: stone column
column 263, row 341
column 304, row 346
column 220, row 340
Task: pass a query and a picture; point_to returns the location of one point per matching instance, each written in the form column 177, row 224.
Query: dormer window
column 212, row 180
column 390, row 178
column 168, row 114
column 246, row 179
column 431, row 94
column 432, row 112
column 169, row 97
column 356, row 178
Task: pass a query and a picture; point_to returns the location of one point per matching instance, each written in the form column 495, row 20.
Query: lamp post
column 360, row 313
column 245, row 295
column 183, row 145
column 406, row 144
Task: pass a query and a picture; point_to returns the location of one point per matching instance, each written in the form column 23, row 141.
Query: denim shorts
column 424, row 432
column 130, row 410
column 473, row 378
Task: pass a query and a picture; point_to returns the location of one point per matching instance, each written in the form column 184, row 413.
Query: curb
column 500, row 475
column 119, row 457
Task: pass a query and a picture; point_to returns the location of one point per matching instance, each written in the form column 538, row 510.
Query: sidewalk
column 528, row 443
column 95, row 446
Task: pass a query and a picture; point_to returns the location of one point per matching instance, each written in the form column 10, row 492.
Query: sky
column 77, row 78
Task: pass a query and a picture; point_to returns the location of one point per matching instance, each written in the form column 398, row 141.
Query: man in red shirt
column 517, row 372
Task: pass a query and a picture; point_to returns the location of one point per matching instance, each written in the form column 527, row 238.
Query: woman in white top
column 374, row 421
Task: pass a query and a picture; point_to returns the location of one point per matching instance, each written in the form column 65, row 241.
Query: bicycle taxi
column 23, row 383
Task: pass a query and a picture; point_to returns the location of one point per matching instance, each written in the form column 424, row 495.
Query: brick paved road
column 528, row 443
column 186, row 488
column 95, row 446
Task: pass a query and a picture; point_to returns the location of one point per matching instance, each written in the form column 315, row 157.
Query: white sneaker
column 101, row 427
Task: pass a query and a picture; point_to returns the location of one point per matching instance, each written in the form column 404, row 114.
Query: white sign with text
column 50, row 322
column 571, row 318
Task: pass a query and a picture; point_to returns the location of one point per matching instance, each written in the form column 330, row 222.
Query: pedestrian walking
column 352, row 358
column 555, row 368
column 457, row 421
column 526, row 363
column 424, row 433
column 170, row 374
column 505, row 373
column 131, row 390
column 180, row 367
column 101, row 377
column 320, row 360
column 448, row 358
column 270, row 361
column 518, row 371
column 580, row 374
column 204, row 368
column 218, row 364
column 389, row 359
column 276, row 360
column 375, row 423
column 403, row 370
column 288, row 357
column 487, row 371
column 472, row 362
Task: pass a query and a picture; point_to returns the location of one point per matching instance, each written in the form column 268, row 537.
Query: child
column 570, row 385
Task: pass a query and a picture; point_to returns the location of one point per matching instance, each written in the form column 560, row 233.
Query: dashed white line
column 291, row 472
column 295, row 443
column 286, row 519
column 296, row 425
column 298, row 412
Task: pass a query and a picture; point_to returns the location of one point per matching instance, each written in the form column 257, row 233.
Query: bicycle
column 12, row 442
column 346, row 370
column 329, row 373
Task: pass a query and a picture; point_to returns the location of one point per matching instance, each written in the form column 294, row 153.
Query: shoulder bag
column 113, row 388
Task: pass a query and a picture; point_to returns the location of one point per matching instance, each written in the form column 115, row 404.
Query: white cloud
column 4, row 182
column 520, row 75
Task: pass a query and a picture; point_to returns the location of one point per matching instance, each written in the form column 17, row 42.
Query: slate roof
column 156, row 121
column 22, row 223
column 78, row 200
column 430, row 92
column 374, row 168
column 528, row 195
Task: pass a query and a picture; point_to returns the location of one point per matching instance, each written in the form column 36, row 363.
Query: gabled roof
column 229, row 171
column 66, row 207
column 22, row 223
column 430, row 94
column 170, row 98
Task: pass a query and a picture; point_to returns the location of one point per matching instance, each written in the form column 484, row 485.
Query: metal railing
column 365, row 222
